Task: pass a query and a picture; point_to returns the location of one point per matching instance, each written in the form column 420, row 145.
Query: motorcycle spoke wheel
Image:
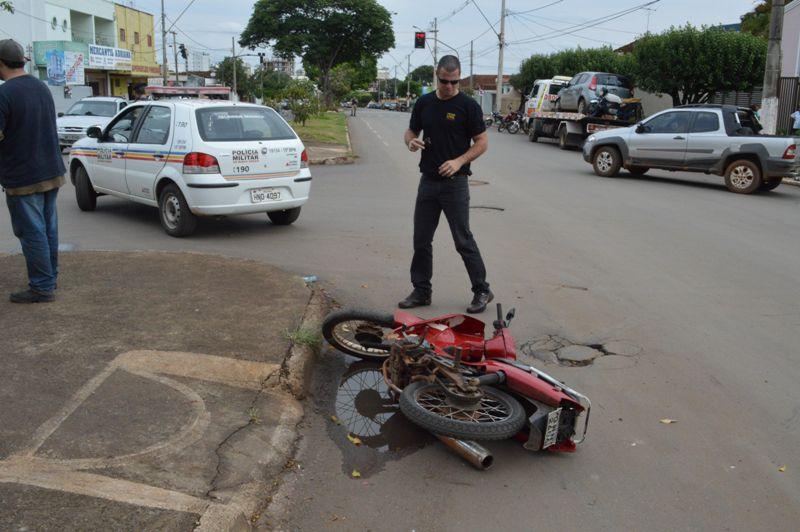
column 495, row 416
column 363, row 334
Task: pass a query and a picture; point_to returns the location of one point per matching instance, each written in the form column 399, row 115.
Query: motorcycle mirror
column 510, row 315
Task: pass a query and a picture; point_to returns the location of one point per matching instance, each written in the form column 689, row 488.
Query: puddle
column 355, row 393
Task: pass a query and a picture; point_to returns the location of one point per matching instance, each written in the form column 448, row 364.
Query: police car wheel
column 286, row 217
column 84, row 192
column 176, row 217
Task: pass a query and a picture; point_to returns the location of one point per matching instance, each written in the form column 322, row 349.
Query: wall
column 60, row 32
column 62, row 104
column 790, row 41
column 653, row 103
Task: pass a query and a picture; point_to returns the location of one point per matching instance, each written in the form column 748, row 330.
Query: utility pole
column 395, row 82
column 175, row 49
column 470, row 65
column 408, row 78
column 163, row 44
column 772, row 74
column 435, row 50
column 502, row 37
column 234, row 96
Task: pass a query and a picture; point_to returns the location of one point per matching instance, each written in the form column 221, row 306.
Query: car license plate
column 263, row 195
column 551, row 434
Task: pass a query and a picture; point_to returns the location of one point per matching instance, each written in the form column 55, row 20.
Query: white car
column 195, row 158
column 85, row 113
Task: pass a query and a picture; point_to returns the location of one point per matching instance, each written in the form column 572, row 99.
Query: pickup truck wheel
column 771, row 185
column 176, row 217
column 84, row 192
column 638, row 170
column 743, row 177
column 607, row 161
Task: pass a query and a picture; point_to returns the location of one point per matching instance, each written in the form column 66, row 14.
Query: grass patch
column 327, row 128
column 302, row 336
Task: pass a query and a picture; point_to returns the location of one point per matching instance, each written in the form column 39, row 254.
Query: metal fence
column 788, row 96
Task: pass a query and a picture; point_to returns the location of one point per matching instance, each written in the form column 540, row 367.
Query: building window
column 64, row 25
column 54, row 23
column 122, row 35
column 135, row 37
column 150, row 41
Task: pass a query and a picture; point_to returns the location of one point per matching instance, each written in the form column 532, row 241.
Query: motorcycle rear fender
column 460, row 323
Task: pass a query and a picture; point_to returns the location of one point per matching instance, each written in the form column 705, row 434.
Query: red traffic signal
column 419, row 39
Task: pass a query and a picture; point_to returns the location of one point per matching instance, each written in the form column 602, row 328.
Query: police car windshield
column 232, row 124
column 93, row 109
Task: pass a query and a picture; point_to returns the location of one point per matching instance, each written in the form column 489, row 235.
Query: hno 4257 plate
column 551, row 434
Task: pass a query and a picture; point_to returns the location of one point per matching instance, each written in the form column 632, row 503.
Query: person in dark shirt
column 454, row 135
column 31, row 170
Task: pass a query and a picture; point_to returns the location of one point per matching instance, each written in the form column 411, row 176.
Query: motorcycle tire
column 359, row 333
column 513, row 127
column 442, row 421
column 500, row 127
column 489, row 122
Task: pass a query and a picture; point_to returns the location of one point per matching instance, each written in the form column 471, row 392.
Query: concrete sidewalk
column 155, row 393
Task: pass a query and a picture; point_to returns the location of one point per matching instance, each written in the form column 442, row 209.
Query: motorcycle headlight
column 592, row 138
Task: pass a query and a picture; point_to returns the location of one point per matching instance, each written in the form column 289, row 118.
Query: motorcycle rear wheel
column 498, row 416
column 513, row 127
column 360, row 333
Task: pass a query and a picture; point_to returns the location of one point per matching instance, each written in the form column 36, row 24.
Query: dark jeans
column 353, row 111
column 35, row 223
column 450, row 196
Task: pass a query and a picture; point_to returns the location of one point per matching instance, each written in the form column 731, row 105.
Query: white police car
column 194, row 158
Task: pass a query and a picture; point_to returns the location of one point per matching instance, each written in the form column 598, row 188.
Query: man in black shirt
column 454, row 135
column 31, row 170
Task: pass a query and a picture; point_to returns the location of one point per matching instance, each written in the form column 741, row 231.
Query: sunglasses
column 450, row 81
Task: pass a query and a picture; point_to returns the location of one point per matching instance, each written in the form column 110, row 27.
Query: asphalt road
column 699, row 284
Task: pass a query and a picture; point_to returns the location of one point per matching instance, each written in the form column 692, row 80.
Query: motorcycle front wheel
column 497, row 416
column 361, row 333
column 513, row 127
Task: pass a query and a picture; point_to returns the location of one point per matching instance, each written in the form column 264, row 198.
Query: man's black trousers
column 451, row 196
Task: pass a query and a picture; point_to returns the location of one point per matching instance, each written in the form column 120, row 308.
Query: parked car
column 585, row 86
column 86, row 112
column 390, row 106
column 713, row 139
column 373, row 105
column 193, row 158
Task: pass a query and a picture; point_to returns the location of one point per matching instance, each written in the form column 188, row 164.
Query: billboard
column 54, row 60
column 108, row 58
column 74, row 72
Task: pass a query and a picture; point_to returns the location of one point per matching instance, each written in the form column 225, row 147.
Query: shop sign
column 54, row 59
column 108, row 58
column 74, row 72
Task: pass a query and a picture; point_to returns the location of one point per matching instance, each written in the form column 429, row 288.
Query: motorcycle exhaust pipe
column 475, row 454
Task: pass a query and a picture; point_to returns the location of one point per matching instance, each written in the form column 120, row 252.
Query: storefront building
column 135, row 33
column 76, row 63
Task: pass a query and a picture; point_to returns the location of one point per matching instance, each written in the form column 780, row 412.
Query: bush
column 302, row 98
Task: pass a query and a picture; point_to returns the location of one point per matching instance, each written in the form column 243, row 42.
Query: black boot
column 480, row 301
column 29, row 296
column 415, row 299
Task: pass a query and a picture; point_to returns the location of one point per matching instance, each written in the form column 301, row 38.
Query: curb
column 292, row 379
column 791, row 181
column 344, row 159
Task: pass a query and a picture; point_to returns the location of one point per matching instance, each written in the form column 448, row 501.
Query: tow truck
column 569, row 128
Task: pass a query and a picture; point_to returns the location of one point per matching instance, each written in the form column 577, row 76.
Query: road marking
column 56, row 477
column 385, row 143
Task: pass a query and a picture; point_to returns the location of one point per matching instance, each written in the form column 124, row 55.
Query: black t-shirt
column 29, row 151
column 448, row 127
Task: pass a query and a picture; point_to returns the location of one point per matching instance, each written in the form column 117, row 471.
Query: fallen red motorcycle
column 452, row 381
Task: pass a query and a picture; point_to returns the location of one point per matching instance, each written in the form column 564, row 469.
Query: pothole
column 552, row 349
column 477, row 182
column 486, row 208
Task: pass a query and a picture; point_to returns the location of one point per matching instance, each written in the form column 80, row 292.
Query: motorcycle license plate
column 551, row 433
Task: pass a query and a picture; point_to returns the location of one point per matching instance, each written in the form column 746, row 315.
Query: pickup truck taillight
column 304, row 159
column 200, row 163
column 790, row 152
column 593, row 83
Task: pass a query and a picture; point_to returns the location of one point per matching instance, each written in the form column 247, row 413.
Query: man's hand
column 416, row 144
column 450, row 167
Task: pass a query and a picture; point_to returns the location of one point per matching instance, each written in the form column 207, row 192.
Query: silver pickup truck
column 713, row 139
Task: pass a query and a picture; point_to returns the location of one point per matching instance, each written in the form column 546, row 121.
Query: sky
column 533, row 26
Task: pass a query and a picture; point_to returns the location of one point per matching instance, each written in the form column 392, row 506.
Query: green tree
column 244, row 83
column 272, row 82
column 422, row 73
column 691, row 64
column 302, row 98
column 756, row 21
column 7, row 6
column 325, row 33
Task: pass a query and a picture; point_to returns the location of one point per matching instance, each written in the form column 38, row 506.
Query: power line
column 484, row 18
column 591, row 23
column 454, row 12
column 557, row 29
column 181, row 14
column 535, row 9
column 562, row 21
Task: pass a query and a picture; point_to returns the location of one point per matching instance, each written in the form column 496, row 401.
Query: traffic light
column 183, row 51
column 419, row 39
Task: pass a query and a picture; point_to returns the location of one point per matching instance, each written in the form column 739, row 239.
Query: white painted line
column 230, row 371
column 385, row 143
column 55, row 477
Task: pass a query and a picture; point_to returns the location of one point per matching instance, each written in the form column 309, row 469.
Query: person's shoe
column 415, row 299
column 480, row 301
column 29, row 296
